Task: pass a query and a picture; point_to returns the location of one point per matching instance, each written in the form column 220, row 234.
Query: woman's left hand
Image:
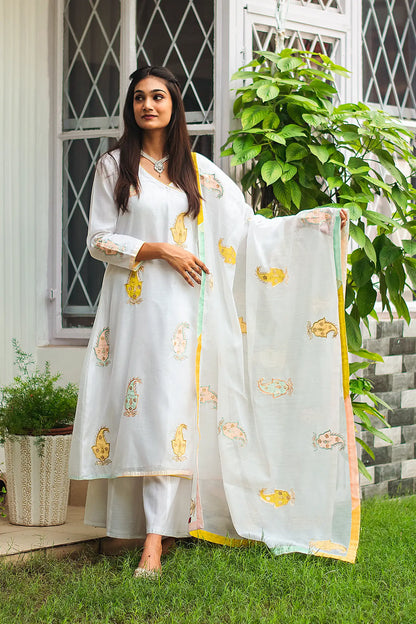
column 344, row 217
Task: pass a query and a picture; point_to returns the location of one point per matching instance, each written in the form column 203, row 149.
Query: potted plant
column 36, row 417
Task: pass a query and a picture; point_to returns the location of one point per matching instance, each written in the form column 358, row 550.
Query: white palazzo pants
column 131, row 507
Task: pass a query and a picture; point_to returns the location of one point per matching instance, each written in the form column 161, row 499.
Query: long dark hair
column 180, row 166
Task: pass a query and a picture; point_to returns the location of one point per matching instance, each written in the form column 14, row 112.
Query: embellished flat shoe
column 149, row 574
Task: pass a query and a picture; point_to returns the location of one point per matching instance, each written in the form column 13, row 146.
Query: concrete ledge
column 70, row 550
column 18, row 541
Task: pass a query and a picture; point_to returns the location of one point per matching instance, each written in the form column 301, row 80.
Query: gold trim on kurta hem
column 185, row 474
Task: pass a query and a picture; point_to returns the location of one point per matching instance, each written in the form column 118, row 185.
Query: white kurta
column 269, row 447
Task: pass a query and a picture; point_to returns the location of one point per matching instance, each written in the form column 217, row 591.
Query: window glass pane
column 180, row 36
column 203, row 144
column 389, row 48
column 81, row 274
column 264, row 38
column 91, row 64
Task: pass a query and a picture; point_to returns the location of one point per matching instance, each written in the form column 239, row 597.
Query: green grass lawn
column 204, row 583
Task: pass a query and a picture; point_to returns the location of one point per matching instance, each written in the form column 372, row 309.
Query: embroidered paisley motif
column 233, row 431
column 276, row 387
column 179, row 443
column 179, row 231
column 321, row 328
column 110, row 248
column 211, row 183
column 320, row 218
column 274, row 276
column 228, row 253
column 278, row 498
column 102, row 347
column 132, row 397
column 206, row 395
column 101, row 448
column 180, row 342
column 328, row 440
column 134, row 286
column 243, row 325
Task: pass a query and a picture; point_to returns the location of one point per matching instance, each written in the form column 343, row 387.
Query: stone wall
column 393, row 470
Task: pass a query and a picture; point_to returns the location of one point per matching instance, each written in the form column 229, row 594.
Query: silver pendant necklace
column 158, row 165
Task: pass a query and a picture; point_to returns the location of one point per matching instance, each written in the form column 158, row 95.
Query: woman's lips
column 149, row 116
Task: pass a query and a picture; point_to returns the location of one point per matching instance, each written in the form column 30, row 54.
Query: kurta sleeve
column 103, row 241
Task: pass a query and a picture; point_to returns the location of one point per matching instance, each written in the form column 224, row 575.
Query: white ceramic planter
column 37, row 487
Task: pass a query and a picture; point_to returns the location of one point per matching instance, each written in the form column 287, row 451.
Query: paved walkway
column 18, row 542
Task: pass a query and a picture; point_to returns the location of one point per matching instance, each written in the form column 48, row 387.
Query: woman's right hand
column 184, row 262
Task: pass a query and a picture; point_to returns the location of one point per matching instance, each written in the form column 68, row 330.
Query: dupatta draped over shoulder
column 265, row 432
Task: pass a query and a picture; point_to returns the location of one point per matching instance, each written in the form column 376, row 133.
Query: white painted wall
column 27, row 102
column 24, row 175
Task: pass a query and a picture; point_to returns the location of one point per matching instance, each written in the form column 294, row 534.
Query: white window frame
column 346, row 27
column 58, row 334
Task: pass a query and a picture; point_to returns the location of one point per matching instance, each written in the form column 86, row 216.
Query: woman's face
column 152, row 104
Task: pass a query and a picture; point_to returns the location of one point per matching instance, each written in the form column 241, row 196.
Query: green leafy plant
column 33, row 403
column 301, row 150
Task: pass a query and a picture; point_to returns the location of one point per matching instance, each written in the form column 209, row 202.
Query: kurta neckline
column 169, row 186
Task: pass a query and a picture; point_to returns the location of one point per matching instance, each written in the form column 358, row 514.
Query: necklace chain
column 158, row 165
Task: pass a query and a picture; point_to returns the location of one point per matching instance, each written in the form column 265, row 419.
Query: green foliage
column 33, row 403
column 301, row 150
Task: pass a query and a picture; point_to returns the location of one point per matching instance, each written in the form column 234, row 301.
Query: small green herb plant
column 33, row 403
column 300, row 149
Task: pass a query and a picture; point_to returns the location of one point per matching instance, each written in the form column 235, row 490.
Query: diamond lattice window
column 178, row 34
column 389, row 49
column 264, row 38
column 338, row 5
column 91, row 64
column 91, row 103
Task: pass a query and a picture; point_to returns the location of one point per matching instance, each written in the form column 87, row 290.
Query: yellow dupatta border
column 351, row 553
column 340, row 245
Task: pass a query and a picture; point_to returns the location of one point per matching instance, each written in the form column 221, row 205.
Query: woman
column 173, row 309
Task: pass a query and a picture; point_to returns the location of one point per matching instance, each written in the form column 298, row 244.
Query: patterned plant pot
column 37, row 486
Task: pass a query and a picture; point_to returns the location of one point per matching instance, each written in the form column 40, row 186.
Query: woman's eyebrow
column 152, row 91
